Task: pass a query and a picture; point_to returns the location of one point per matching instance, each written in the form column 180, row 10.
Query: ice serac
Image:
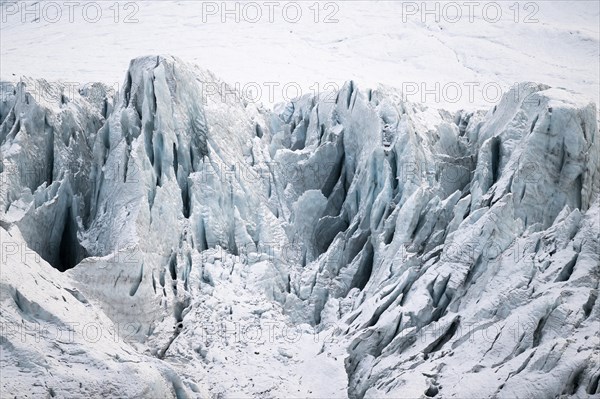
column 175, row 173
column 453, row 278
column 434, row 248
column 437, row 240
column 47, row 132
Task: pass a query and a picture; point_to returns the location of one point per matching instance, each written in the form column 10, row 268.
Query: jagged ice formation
column 415, row 252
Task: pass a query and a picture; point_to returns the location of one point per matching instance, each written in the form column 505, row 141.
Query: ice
column 56, row 343
column 360, row 247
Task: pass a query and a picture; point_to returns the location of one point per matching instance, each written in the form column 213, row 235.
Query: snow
column 55, row 342
column 346, row 244
column 555, row 42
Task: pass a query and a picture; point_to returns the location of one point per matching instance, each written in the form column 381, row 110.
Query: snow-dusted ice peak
column 346, row 245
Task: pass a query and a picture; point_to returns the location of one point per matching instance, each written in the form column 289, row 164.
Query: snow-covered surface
column 347, row 244
column 55, row 342
column 372, row 42
column 360, row 247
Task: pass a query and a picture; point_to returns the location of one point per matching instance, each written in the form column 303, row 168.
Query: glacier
column 172, row 241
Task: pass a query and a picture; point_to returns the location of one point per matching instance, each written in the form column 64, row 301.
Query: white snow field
column 475, row 52
column 169, row 239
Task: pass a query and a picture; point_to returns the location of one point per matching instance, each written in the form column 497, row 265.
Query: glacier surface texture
column 170, row 241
